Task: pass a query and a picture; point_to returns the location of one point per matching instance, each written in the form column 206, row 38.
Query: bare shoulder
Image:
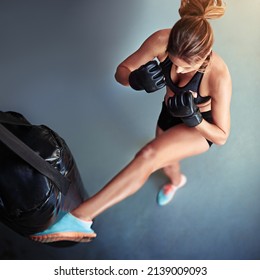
column 218, row 68
column 158, row 41
column 219, row 75
column 161, row 36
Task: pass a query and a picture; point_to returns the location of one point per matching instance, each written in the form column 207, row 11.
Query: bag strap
column 31, row 157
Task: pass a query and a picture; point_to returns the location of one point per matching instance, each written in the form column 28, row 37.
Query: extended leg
column 172, row 146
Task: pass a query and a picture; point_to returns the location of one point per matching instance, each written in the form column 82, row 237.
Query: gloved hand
column 148, row 77
column 182, row 105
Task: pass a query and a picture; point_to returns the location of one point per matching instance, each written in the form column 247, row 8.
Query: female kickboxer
column 195, row 112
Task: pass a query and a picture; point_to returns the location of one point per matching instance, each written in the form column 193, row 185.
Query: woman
column 195, row 112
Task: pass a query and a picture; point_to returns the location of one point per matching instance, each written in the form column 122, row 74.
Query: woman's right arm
column 154, row 46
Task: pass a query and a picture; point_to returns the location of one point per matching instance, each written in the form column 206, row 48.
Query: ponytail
column 208, row 9
column 191, row 38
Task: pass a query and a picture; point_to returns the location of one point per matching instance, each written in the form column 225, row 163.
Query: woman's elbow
column 222, row 139
column 116, row 76
column 121, row 75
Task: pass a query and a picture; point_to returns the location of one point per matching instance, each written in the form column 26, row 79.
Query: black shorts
column 166, row 120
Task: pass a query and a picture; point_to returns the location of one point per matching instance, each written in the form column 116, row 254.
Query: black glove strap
column 193, row 120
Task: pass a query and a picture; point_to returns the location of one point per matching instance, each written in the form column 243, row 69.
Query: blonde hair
column 208, row 9
column 191, row 38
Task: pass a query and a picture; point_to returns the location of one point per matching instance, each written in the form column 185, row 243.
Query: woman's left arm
column 221, row 91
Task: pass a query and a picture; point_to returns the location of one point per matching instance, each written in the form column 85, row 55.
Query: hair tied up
column 204, row 9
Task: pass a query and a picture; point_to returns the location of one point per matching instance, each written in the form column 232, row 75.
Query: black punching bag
column 29, row 201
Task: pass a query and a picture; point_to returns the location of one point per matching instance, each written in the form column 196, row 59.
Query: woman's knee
column 147, row 154
column 154, row 157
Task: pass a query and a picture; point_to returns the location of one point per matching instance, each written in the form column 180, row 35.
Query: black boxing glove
column 148, row 77
column 182, row 105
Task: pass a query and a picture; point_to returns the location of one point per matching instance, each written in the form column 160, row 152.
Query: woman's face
column 182, row 67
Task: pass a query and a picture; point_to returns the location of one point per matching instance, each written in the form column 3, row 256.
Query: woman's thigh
column 175, row 144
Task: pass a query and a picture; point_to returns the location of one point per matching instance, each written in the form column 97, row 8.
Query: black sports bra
column 193, row 84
